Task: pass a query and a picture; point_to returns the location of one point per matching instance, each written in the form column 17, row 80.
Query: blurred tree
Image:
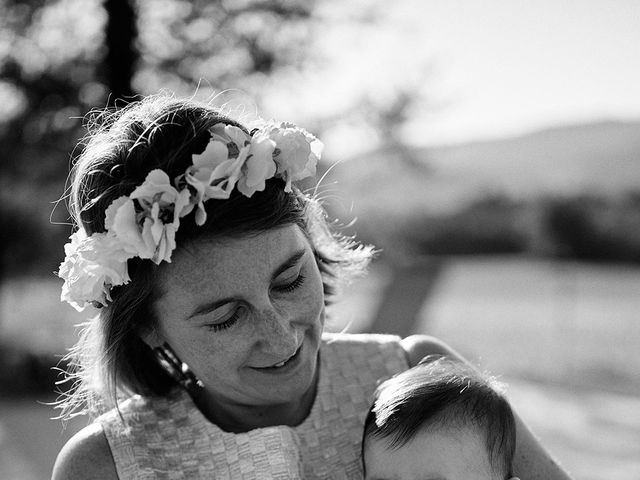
column 220, row 44
column 121, row 56
column 47, row 78
column 389, row 117
column 594, row 228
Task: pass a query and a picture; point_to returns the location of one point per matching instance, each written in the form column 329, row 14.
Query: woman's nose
column 277, row 331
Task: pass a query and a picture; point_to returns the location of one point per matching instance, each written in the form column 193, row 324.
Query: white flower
column 297, row 152
column 259, row 165
column 213, row 175
column 218, row 170
column 91, row 267
column 227, row 134
column 147, row 220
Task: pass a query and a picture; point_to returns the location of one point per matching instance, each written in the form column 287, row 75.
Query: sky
column 487, row 68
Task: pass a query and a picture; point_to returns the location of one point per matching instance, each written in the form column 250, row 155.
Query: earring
column 177, row 369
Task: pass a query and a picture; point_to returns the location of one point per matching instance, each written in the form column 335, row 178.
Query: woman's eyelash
column 217, row 327
column 293, row 285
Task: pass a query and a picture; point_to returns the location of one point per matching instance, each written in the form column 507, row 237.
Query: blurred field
column 564, row 336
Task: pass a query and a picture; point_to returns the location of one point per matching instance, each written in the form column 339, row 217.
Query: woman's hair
column 440, row 392
column 110, row 360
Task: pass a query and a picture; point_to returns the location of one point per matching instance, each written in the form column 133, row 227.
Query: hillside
column 601, row 158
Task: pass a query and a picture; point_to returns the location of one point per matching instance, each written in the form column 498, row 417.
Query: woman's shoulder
column 376, row 354
column 412, row 348
column 86, row 456
column 416, row 346
column 419, row 346
column 342, row 338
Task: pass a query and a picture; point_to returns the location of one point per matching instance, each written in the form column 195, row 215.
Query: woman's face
column 246, row 314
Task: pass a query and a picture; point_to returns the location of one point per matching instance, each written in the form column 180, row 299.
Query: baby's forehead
column 451, row 431
column 451, row 435
column 444, row 452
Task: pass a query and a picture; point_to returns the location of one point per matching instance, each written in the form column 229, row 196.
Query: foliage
column 592, row 228
column 29, row 245
column 222, row 43
column 585, row 227
column 489, row 226
column 26, row 371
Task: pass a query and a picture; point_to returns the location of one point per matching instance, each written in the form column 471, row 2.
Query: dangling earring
column 177, row 369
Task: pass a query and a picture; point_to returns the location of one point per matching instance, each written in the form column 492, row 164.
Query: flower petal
column 126, row 229
column 111, row 210
column 215, row 153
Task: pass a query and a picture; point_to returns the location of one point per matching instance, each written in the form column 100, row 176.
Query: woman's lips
column 283, row 363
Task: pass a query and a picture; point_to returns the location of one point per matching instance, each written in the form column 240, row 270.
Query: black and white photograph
column 320, row 239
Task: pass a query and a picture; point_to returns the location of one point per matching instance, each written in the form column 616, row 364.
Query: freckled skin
column 433, row 454
column 272, row 324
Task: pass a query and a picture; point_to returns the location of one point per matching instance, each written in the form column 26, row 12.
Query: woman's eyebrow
column 290, row 262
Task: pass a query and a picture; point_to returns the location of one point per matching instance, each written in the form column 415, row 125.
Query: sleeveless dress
column 169, row 438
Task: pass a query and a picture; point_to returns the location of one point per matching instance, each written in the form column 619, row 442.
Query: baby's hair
column 437, row 393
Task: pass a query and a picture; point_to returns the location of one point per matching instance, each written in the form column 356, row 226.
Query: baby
column 439, row 421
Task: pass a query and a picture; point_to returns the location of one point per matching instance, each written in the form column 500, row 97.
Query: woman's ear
column 151, row 337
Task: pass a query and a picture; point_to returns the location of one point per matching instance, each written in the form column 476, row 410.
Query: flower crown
column 144, row 224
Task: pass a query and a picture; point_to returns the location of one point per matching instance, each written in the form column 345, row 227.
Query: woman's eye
column 291, row 286
column 227, row 321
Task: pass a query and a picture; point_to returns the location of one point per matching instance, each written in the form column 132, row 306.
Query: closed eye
column 290, row 287
column 231, row 318
column 217, row 327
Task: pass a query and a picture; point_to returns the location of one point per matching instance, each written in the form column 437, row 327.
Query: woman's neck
column 239, row 418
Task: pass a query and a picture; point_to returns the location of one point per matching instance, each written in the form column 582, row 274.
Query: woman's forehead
column 234, row 259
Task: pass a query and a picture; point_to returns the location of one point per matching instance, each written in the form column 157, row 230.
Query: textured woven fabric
column 169, row 438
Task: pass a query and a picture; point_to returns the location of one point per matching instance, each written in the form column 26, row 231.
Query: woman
column 211, row 272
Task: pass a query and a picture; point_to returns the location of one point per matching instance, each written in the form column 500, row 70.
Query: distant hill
column 602, row 158
column 598, row 157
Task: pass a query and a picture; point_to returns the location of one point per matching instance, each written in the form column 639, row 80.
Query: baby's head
column 440, row 420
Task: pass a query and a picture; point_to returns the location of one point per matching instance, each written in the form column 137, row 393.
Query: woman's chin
column 291, row 382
